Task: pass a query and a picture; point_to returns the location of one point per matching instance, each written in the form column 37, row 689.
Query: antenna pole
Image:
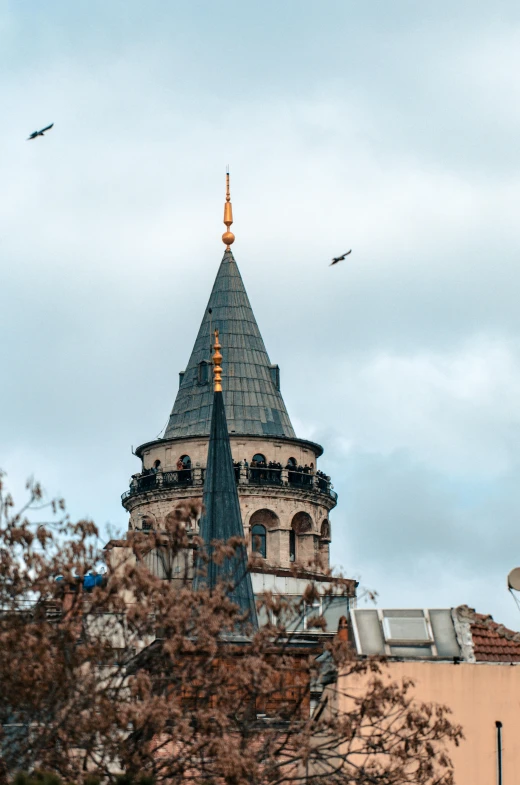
column 498, row 726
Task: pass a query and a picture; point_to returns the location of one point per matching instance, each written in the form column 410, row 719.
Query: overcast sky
column 388, row 127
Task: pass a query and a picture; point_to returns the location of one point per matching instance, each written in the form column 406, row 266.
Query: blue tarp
column 89, row 581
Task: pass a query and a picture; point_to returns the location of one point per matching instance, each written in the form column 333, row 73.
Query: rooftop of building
column 251, row 383
column 492, row 642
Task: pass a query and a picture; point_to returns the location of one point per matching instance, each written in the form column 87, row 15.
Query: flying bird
column 339, row 258
column 39, row 133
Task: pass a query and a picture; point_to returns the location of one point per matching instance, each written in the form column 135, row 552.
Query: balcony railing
column 303, row 479
column 253, row 475
column 179, row 477
column 259, row 475
column 182, row 478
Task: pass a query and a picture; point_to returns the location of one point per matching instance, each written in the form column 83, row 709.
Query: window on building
column 325, row 530
column 332, row 609
column 258, row 458
column 259, row 540
column 275, row 375
column 292, row 462
column 203, row 373
column 186, row 461
column 302, row 522
column 311, row 612
column 292, row 545
column 406, row 629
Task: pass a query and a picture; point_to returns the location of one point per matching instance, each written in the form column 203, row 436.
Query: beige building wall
column 242, row 447
column 278, row 512
column 479, row 695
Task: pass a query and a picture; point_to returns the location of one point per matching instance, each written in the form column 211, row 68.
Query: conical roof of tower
column 254, row 404
column 222, row 520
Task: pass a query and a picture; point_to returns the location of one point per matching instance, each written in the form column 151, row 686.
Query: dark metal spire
column 222, row 519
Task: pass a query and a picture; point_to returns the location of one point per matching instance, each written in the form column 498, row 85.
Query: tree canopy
column 133, row 675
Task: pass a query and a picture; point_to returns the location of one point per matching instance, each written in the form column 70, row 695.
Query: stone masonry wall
column 285, row 508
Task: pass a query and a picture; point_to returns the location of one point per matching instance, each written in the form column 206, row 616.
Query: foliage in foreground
column 49, row 778
column 148, row 678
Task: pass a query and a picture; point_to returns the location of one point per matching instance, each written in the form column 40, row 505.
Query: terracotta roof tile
column 492, row 642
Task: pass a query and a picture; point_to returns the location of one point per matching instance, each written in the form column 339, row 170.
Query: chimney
column 343, row 629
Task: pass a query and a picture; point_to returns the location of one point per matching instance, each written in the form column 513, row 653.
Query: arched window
column 325, row 530
column 292, row 462
column 301, row 546
column 203, row 373
column 184, row 470
column 302, row 522
column 292, row 545
column 147, row 523
column 260, row 523
column 259, row 540
column 258, row 458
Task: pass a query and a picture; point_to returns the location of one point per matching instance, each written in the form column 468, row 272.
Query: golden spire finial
column 217, row 369
column 228, row 237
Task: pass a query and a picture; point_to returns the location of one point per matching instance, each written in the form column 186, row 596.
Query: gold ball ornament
column 228, row 238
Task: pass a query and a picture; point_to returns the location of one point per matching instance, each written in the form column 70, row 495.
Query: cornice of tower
column 176, row 493
column 316, row 448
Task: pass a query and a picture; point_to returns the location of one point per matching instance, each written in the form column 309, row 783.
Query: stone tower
column 284, row 499
column 291, row 502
